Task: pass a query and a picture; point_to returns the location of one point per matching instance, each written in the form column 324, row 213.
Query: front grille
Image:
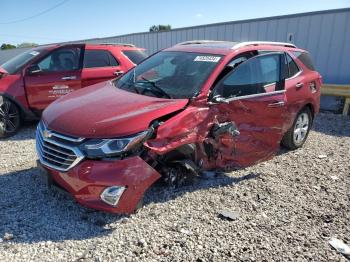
column 57, row 151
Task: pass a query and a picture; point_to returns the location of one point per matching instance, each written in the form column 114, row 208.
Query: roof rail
column 121, row 44
column 242, row 44
column 198, row 42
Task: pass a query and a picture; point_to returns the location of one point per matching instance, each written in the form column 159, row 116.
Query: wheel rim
column 301, row 128
column 9, row 117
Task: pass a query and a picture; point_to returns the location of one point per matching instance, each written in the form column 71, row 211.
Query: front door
column 252, row 97
column 57, row 74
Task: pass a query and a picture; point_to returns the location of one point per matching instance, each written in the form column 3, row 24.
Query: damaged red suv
column 200, row 105
column 32, row 80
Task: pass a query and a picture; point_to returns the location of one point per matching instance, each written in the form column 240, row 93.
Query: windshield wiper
column 156, row 87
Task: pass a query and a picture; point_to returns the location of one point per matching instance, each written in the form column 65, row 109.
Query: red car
column 200, row 105
column 32, row 80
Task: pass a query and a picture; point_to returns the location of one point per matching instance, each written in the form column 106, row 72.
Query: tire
column 139, row 205
column 10, row 118
column 298, row 133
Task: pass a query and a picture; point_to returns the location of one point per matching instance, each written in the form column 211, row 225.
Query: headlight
column 99, row 148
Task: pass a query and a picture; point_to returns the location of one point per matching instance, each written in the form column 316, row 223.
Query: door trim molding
column 255, row 95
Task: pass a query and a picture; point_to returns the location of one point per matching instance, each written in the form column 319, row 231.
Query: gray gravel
column 286, row 210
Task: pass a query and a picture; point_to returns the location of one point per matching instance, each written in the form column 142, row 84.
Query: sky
column 49, row 21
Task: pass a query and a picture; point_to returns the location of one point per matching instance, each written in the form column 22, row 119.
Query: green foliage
column 26, row 45
column 7, row 46
column 157, row 28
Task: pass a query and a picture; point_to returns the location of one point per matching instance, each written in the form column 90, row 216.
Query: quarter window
column 99, row 58
column 305, row 58
column 293, row 67
column 257, row 75
column 63, row 59
column 136, row 56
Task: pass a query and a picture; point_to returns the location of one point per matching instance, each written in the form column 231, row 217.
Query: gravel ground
column 288, row 208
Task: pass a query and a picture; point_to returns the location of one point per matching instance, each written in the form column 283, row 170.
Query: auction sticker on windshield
column 34, row 53
column 205, row 58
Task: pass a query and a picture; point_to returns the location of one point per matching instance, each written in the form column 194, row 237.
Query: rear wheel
column 297, row 135
column 10, row 118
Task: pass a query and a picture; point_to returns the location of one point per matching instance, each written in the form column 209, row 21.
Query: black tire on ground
column 298, row 133
column 10, row 118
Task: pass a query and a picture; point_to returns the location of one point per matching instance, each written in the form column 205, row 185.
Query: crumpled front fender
column 190, row 126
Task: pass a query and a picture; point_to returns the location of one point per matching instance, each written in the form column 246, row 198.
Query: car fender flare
column 25, row 113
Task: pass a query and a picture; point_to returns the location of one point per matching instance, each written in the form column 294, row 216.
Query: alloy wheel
column 9, row 117
column 301, row 128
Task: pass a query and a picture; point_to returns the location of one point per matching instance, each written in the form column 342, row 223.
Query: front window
column 170, row 74
column 13, row 65
column 62, row 59
column 257, row 75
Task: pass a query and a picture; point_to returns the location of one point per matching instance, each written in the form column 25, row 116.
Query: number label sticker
column 34, row 53
column 207, row 58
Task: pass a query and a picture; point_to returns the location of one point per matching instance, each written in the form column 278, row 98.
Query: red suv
column 200, row 105
column 32, row 80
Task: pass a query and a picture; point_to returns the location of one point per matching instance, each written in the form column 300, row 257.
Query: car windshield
column 16, row 63
column 170, row 74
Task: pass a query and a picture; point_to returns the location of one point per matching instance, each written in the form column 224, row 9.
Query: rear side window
column 305, row 58
column 135, row 56
column 293, row 67
column 99, row 58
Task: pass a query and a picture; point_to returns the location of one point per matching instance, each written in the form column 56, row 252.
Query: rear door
column 57, row 74
column 100, row 65
column 253, row 98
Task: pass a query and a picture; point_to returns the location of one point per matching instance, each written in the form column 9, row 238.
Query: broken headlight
column 101, row 148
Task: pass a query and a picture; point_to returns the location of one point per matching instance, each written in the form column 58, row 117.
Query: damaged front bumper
column 87, row 183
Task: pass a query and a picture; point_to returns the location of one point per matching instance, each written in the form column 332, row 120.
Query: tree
column 157, row 28
column 26, row 45
column 7, row 46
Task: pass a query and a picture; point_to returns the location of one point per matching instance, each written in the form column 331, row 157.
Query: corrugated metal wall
column 325, row 34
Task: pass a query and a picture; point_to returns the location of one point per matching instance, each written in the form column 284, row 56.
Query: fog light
column 111, row 195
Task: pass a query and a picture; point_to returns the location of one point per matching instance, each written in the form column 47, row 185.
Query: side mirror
column 217, row 99
column 33, row 69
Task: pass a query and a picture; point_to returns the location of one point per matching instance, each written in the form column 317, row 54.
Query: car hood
column 104, row 111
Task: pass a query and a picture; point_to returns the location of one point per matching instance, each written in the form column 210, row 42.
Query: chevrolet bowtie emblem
column 47, row 134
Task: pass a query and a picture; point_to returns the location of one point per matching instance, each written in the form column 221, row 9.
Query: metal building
column 325, row 34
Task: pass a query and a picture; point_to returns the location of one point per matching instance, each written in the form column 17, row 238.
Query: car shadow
column 27, row 131
column 33, row 213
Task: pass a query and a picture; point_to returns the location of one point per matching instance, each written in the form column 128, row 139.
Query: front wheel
column 10, row 118
column 297, row 135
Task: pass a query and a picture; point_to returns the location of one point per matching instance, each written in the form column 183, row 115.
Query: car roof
column 227, row 47
column 121, row 46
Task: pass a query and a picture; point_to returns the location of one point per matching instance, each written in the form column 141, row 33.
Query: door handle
column 118, row 72
column 277, row 104
column 299, row 85
column 69, row 78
